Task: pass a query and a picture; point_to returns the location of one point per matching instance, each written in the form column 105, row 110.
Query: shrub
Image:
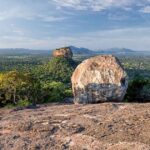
column 138, row 90
column 53, row 91
column 68, row 93
column 9, row 106
column 145, row 93
column 23, row 103
column 11, row 85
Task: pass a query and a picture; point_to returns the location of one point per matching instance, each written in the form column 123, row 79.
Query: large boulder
column 99, row 79
column 63, row 52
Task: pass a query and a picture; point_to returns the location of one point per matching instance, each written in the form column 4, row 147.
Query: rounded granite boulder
column 99, row 79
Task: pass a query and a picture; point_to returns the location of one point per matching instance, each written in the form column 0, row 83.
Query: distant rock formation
column 99, row 79
column 63, row 52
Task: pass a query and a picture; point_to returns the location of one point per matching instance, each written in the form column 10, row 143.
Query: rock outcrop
column 107, row 126
column 63, row 52
column 99, row 79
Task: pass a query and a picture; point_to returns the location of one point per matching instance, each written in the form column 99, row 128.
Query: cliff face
column 63, row 52
column 107, row 126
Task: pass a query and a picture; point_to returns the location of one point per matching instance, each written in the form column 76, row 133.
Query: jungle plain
column 30, row 77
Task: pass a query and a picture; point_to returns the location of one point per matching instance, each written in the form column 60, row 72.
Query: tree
column 53, row 91
column 138, row 90
column 35, row 91
column 58, row 69
column 12, row 82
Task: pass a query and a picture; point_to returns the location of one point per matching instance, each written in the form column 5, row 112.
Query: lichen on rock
column 99, row 79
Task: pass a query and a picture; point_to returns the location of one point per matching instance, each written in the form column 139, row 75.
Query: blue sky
column 95, row 24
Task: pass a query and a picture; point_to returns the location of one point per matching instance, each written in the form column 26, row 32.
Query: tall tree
column 12, row 82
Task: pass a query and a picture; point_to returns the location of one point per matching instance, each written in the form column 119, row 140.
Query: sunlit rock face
column 99, row 79
column 63, row 52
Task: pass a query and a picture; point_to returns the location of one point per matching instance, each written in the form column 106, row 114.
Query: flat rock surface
column 107, row 126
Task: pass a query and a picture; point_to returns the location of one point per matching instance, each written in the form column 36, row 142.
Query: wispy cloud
column 48, row 24
column 13, row 13
column 99, row 5
column 19, row 14
column 18, row 32
column 137, row 38
column 51, row 18
column 28, row 11
column 145, row 9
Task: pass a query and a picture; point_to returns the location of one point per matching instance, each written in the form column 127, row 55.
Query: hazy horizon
column 51, row 49
column 93, row 24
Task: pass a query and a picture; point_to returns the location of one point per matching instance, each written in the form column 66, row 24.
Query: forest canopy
column 28, row 80
column 49, row 82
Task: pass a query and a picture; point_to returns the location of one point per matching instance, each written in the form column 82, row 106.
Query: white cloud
column 99, row 5
column 145, row 9
column 51, row 18
column 18, row 32
column 16, row 13
column 33, row 34
column 28, row 13
column 134, row 38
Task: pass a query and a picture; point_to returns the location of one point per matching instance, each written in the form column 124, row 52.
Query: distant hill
column 113, row 51
column 86, row 51
column 81, row 50
column 116, row 51
column 22, row 51
column 76, row 51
